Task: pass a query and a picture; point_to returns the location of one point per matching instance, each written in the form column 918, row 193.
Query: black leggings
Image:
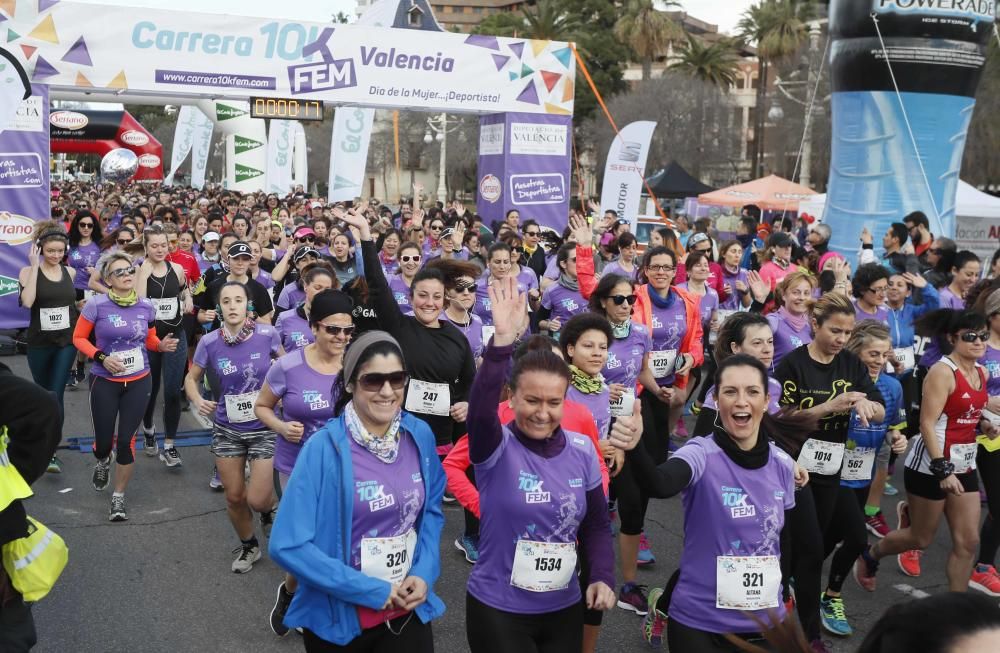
column 489, row 630
column 802, row 553
column 655, row 427
column 632, row 500
column 989, row 538
column 415, row 637
column 121, row 402
column 171, row 366
column 847, row 526
column 681, row 638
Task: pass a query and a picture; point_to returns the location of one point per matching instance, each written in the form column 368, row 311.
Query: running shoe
column 267, row 521
column 985, row 579
column 908, row 561
column 149, row 442
column 655, row 622
column 646, row 556
column 170, row 457
column 682, row 430
column 890, row 490
column 117, row 512
column 81, row 374
column 102, row 474
column 73, row 382
column 448, row 498
column 865, row 570
column 281, row 603
column 632, row 597
column 55, row 466
column 469, row 545
column 877, row 526
column 248, row 554
column 833, row 616
column 819, row 646
column 216, row 482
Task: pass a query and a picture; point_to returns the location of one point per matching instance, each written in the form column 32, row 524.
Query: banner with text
column 24, row 196
column 625, row 170
column 352, row 133
column 524, row 164
column 201, row 149
column 280, row 143
column 163, row 52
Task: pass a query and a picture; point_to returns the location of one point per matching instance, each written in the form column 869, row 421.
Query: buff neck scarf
column 131, row 298
column 585, row 383
column 384, row 447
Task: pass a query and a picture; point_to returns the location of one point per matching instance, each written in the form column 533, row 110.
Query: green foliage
column 647, row 31
column 716, row 63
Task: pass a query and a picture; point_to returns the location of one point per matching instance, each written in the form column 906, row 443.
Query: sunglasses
column 334, row 330
column 85, row 225
column 520, row 250
column 375, row 381
column 406, row 259
column 621, row 299
column 469, row 289
column 970, row 336
column 532, row 233
column 436, row 227
column 126, row 272
column 113, row 204
column 306, row 239
column 82, row 206
column 123, row 242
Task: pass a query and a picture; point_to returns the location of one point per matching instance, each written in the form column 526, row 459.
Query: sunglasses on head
column 123, row 272
column 621, row 299
column 406, row 258
column 470, row 288
column 970, row 336
column 334, row 330
column 375, row 381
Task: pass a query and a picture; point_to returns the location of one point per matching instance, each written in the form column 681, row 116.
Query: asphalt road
column 162, row 580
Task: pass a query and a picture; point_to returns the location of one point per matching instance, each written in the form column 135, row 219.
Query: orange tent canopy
column 772, row 193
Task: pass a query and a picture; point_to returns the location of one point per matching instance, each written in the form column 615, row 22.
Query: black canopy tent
column 674, row 182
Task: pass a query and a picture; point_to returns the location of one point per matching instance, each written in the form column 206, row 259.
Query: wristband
column 941, row 468
column 100, row 356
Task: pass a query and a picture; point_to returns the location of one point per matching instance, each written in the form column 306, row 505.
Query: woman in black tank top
column 47, row 291
column 165, row 285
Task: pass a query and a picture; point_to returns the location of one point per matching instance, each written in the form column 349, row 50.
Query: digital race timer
column 286, row 108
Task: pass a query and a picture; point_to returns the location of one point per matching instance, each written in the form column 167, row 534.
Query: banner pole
column 395, row 139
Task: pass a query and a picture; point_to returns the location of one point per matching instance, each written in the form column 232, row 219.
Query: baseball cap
column 780, row 239
column 695, row 239
column 240, row 249
column 210, row 236
column 303, row 231
column 315, row 205
column 304, row 252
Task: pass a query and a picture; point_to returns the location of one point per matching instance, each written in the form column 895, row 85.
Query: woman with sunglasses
column 388, row 249
column 451, row 244
column 518, row 269
column 239, row 355
column 940, row 473
column 460, row 299
column 432, row 245
column 368, row 572
column 439, row 359
column 47, row 292
column 123, row 329
column 300, row 257
column 524, row 593
column 293, row 324
column 303, row 381
column 84, row 249
column 409, row 264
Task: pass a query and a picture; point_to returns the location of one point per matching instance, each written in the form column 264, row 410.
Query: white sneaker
column 248, row 554
column 149, row 442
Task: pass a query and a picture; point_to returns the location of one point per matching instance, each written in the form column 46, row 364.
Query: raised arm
column 390, row 317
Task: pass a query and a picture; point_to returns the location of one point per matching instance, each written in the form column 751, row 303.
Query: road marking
column 910, row 590
column 65, row 490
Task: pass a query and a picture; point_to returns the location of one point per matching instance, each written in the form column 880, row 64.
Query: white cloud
column 724, row 13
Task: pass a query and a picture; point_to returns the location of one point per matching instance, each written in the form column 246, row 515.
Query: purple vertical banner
column 524, row 164
column 24, row 196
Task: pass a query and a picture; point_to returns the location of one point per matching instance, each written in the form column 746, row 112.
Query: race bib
column 858, row 464
column 166, row 308
column 488, row 332
column 623, row 406
column 543, row 566
column 54, row 319
column 131, row 359
column 963, row 457
column 239, row 408
column 905, row 356
column 662, row 363
column 388, row 558
column 821, row 457
column 747, row 582
column 428, row 398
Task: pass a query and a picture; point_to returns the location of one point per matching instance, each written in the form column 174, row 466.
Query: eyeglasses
column 123, row 242
column 621, row 299
column 406, row 259
column 85, row 225
column 375, row 381
column 471, row 288
column 661, row 268
column 122, row 272
column 334, row 330
column 970, row 336
column 879, row 291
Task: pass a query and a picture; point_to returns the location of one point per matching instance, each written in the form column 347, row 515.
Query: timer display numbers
column 286, row 108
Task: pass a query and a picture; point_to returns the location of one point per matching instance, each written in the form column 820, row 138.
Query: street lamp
column 440, row 127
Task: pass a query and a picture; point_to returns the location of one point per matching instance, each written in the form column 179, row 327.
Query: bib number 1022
column 753, row 579
column 548, row 564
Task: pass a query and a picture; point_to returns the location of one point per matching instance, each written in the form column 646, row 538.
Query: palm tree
column 647, row 30
column 550, row 22
column 778, row 29
column 714, row 64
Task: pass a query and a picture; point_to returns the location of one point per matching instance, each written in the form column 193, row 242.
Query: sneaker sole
column 857, row 577
column 835, row 632
column 982, row 588
column 625, row 605
column 270, row 620
column 645, row 563
column 250, row 568
column 170, row 463
column 874, row 532
column 464, row 553
column 118, row 516
column 903, row 570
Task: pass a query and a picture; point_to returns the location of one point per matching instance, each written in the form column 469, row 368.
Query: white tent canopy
column 969, row 202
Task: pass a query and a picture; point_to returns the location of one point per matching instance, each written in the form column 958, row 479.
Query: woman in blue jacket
column 360, row 520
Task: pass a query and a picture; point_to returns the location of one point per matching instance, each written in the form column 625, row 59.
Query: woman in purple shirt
column 293, row 324
column 498, row 260
column 730, row 569
column 303, row 381
column 625, row 265
column 734, row 278
column 461, row 298
column 869, row 287
column 540, row 498
column 409, row 265
column 84, row 250
column 239, row 355
column 790, row 323
column 562, row 300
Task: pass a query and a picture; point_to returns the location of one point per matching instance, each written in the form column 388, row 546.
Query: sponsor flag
column 625, row 170
column 201, row 148
column 280, row 143
column 352, row 132
column 183, row 140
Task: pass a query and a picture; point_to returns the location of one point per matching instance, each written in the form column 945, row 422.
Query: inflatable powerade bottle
column 896, row 153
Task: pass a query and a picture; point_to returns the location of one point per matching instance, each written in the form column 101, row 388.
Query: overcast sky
column 724, row 13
